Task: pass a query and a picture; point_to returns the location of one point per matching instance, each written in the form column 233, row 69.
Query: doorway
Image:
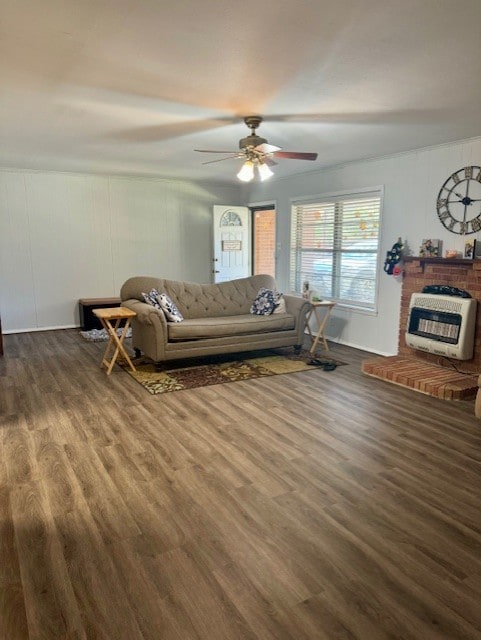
column 232, row 234
column 264, row 240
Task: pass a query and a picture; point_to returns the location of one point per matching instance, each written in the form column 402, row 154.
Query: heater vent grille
column 442, row 325
column 438, row 303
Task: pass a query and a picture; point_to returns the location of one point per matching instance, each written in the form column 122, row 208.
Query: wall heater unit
column 443, row 325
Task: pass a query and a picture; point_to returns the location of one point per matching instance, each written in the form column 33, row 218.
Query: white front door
column 232, row 237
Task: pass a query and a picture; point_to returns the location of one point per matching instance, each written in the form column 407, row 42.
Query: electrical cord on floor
column 453, row 366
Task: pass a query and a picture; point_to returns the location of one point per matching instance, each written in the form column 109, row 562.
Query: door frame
column 264, row 206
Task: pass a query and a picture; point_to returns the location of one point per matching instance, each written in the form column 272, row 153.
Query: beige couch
column 216, row 318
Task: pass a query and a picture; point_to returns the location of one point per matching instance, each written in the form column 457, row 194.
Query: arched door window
column 230, row 219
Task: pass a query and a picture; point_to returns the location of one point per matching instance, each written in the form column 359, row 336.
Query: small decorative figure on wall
column 393, row 258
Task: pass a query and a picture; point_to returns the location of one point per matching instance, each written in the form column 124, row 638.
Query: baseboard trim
column 67, row 326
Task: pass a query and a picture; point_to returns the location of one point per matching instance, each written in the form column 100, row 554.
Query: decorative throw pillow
column 265, row 302
column 151, row 298
column 169, row 308
column 281, row 304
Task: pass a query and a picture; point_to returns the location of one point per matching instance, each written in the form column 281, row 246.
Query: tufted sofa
column 216, row 318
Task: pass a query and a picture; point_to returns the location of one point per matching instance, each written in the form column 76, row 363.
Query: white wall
column 67, row 236
column 411, row 184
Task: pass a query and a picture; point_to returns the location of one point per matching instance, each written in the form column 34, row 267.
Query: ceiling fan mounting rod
column 253, row 122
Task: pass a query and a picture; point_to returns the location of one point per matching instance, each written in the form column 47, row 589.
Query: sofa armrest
column 149, row 328
column 146, row 313
column 299, row 308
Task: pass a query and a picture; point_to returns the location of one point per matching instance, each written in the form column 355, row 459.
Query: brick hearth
column 421, row 376
column 427, row 372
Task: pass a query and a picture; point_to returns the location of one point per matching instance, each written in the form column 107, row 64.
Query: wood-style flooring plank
column 309, row 506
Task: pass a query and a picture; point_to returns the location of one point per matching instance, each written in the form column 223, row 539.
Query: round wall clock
column 459, row 201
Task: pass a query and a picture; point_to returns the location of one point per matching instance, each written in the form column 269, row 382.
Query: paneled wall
column 65, row 237
column 411, row 183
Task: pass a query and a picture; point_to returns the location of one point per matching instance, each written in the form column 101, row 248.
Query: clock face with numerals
column 459, row 201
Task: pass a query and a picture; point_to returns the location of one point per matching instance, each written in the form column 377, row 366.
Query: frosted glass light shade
column 246, row 174
column 264, row 171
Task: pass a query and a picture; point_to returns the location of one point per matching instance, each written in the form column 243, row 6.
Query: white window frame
column 335, row 199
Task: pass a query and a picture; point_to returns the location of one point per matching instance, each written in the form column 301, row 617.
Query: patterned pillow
column 151, row 298
column 265, row 303
column 281, row 304
column 169, row 308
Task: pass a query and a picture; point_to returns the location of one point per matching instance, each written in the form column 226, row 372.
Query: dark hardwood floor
column 318, row 505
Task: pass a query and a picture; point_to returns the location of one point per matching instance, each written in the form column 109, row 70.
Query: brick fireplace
column 428, row 373
column 464, row 274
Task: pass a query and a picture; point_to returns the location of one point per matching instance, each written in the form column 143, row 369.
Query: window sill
column 359, row 310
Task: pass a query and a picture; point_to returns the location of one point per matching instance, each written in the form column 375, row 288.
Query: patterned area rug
column 201, row 372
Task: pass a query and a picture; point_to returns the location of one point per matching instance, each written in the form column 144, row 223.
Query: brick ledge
column 423, row 377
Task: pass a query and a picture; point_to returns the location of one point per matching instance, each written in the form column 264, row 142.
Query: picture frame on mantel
column 430, row 248
column 469, row 249
column 477, row 250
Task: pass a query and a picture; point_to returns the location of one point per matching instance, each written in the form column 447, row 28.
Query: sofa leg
column 297, row 349
column 137, row 352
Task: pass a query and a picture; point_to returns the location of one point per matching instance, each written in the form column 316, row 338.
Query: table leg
column 308, row 318
column 320, row 332
column 117, row 342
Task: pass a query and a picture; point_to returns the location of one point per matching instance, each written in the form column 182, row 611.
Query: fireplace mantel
column 464, row 262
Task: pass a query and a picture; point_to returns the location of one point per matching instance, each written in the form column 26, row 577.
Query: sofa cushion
column 193, row 328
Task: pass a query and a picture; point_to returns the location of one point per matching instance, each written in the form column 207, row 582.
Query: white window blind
column 334, row 247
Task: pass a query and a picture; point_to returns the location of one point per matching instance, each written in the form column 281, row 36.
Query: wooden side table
column 321, row 311
column 107, row 317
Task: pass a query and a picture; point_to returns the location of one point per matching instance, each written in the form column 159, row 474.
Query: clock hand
column 467, row 200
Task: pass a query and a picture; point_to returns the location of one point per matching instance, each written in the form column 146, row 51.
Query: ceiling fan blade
column 227, row 158
column 211, row 151
column 295, row 155
column 270, row 162
column 267, row 148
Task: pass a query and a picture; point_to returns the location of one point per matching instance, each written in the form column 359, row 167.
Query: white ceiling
column 132, row 87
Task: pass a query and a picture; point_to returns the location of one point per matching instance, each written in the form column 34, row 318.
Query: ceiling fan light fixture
column 264, row 172
column 246, row 174
column 258, row 153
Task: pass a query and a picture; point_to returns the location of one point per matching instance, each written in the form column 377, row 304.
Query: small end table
column 326, row 306
column 107, row 317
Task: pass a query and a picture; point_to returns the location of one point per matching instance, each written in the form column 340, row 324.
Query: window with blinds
column 334, row 247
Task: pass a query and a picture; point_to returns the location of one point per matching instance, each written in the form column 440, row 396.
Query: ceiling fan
column 257, row 153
